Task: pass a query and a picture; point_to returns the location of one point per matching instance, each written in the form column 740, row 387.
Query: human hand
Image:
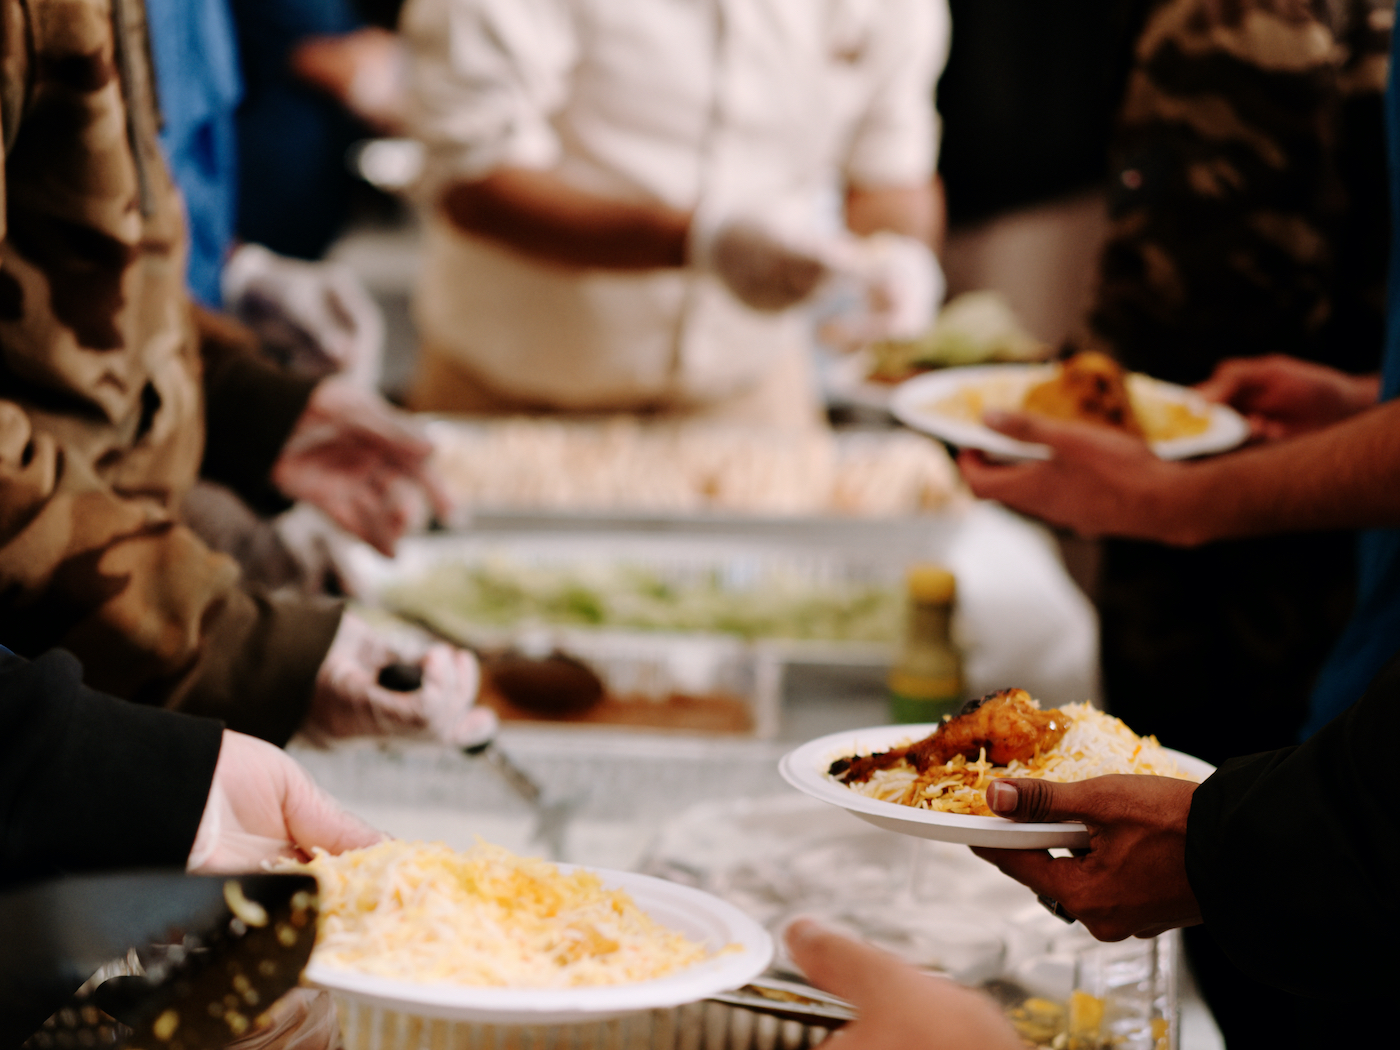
column 901, row 287
column 263, row 806
column 1132, row 881
column 315, row 316
column 365, row 70
column 349, row 701
column 1098, row 481
column 898, row 1005
column 1284, row 396
column 362, row 463
column 764, row 268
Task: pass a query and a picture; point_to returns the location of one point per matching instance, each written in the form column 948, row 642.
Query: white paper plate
column 805, row 769
column 916, row 403
column 698, row 915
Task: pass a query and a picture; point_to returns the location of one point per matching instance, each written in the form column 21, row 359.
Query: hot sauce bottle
column 926, row 681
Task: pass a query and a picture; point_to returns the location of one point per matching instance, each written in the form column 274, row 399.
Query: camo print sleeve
column 1248, row 202
column 102, row 410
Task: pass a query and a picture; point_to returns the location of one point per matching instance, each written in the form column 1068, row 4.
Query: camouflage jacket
column 109, row 380
column 1249, row 203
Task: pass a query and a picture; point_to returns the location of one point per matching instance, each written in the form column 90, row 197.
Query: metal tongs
column 552, row 816
column 789, row 1001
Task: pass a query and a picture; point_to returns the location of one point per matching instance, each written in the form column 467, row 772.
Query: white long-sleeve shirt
column 764, row 108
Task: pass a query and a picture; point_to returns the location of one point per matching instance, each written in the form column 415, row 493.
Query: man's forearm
column 916, row 211
column 539, row 214
column 1346, row 476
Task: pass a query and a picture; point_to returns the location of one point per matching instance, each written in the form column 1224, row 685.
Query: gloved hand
column 349, row 701
column 263, row 806
column 899, row 285
column 361, row 462
column 764, row 268
column 316, row 318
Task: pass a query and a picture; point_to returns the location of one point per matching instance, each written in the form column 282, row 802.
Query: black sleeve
column 251, row 406
column 88, row 781
column 1294, row 855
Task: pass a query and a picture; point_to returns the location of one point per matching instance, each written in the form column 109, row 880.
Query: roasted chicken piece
column 1090, row 388
column 1007, row 723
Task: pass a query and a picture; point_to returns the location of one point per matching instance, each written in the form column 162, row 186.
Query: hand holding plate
column 1283, row 396
column 1097, row 481
column 1131, row 881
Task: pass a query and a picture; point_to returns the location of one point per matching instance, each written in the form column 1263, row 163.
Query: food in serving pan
column 1089, row 387
column 500, row 592
column 423, row 912
column 1004, row 734
column 973, row 329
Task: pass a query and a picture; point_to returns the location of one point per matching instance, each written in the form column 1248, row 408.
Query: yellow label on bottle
column 924, row 687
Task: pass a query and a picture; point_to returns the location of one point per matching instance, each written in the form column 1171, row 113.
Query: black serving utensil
column 216, row 950
column 554, row 684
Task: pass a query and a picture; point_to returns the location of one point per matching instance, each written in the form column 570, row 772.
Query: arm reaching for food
column 1132, row 880
column 1101, row 483
column 898, row 1005
column 350, row 701
column 263, row 806
column 1284, row 396
column 362, row 463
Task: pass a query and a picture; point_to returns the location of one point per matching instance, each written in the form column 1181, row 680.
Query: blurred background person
column 625, row 202
column 1027, row 104
column 1248, row 213
column 318, row 77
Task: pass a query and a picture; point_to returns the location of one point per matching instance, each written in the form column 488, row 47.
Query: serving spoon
column 552, row 817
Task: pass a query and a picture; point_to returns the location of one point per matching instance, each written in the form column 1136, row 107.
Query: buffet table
column 710, row 810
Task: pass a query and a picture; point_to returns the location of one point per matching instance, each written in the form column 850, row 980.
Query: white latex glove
column 362, row 462
column 764, row 267
column 263, row 806
column 349, row 701
column 316, row 316
column 900, row 286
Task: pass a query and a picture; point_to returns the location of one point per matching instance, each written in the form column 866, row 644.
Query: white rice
column 1096, row 744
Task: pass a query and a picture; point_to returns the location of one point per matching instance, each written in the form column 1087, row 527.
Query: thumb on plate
column 1039, row 801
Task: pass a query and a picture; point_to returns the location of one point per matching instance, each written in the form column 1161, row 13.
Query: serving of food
column 1089, row 387
column 931, row 781
column 500, row 592
column 975, row 328
column 1005, row 734
column 490, row 936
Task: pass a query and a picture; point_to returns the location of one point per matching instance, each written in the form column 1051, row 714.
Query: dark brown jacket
column 109, row 381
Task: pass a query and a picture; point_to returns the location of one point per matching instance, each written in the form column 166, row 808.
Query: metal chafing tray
column 1021, row 620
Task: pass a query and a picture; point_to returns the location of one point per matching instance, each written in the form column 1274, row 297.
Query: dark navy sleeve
column 1294, row 855
column 90, row 782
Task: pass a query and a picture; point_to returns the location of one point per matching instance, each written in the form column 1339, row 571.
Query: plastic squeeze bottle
column 926, row 681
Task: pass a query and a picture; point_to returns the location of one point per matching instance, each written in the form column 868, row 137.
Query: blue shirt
column 197, row 78
column 1373, row 634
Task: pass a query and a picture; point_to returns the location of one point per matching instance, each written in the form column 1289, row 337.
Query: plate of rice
column 491, row 937
column 947, row 801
